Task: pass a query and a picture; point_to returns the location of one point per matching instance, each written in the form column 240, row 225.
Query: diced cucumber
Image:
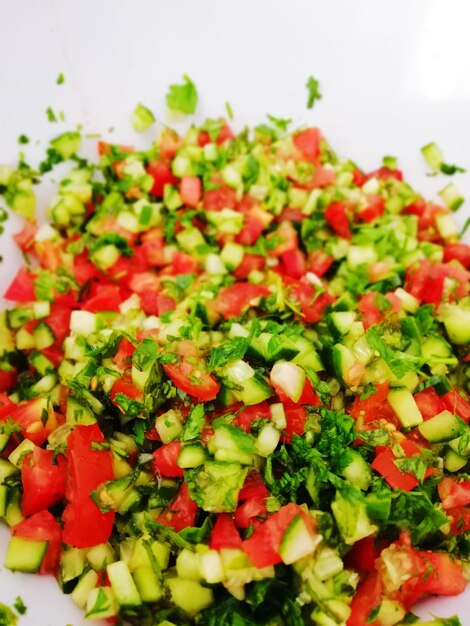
column 456, row 320
column 189, row 595
column 168, row 425
column 148, row 584
column 188, row 565
column 101, row 604
column 25, row 555
column 43, row 336
column 7, row 469
column 3, row 500
column 453, row 462
column 297, row 541
column 356, row 470
column 72, row 563
column 232, row 255
column 352, row 519
column 18, row 454
column 191, row 455
column 446, row 225
column 347, row 367
column 288, row 377
column 405, row 407
column 123, row 584
column 451, row 197
column 340, row 322
column 24, row 340
column 142, row 118
column 78, row 413
column 433, row 156
column 254, row 390
column 100, row 556
column 67, row 144
column 278, row 415
column 390, row 612
column 83, row 588
column 211, row 568
column 328, row 563
column 442, row 427
column 83, row 323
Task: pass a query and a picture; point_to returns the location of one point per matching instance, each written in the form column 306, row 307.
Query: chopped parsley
column 182, row 98
column 313, row 91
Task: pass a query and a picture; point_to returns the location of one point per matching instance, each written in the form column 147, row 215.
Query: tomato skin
column 307, row 143
column 425, row 281
column 371, row 313
column 250, row 510
column 249, row 263
column 128, row 389
column 454, row 493
column 165, row 460
column 429, row 403
column 312, row 303
column 107, row 298
column 123, row 357
column 458, row 252
column 253, row 487
column 319, row 262
column 84, row 524
column 296, row 417
column 384, row 464
column 373, row 210
column 21, row 289
column 29, row 416
column 337, row 217
column 225, row 533
column 217, row 199
column 456, row 401
column 249, row 414
column 365, row 600
column 362, row 555
column 232, row 300
column 294, row 263
column 252, row 229
column 183, row 374
column 25, row 238
column 42, row 527
column 162, row 175
column 8, row 379
column 181, row 511
column 191, row 191
column 43, row 480
column 460, row 519
column 368, row 408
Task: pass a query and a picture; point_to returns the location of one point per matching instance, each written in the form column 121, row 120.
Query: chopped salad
column 234, row 383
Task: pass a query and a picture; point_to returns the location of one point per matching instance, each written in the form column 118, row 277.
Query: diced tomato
column 250, row 263
column 25, row 238
column 8, row 379
column 6, row 407
column 35, row 426
column 429, row 403
column 83, row 269
column 384, row 464
column 322, row 177
column 182, row 263
column 170, row 143
column 359, row 178
column 225, row 533
column 312, row 301
column 181, row 512
column 107, row 298
column 50, row 254
column 290, row 214
column 367, row 598
column 152, row 247
column 189, row 376
column 426, row 213
column 263, row 545
column 374, row 209
column 253, row 508
column 54, row 354
column 285, row 238
column 43, row 479
column 59, row 322
column 454, row 492
column 123, row 357
column 249, row 414
column 460, row 519
column 162, row 175
column 319, row 262
column 231, row 301
column 374, row 307
column 84, row 524
column 253, row 227
column 425, row 280
column 190, row 190
column 21, row 288
column 459, row 252
column 165, row 460
column 253, row 487
column 309, row 395
column 367, row 409
column 225, row 133
column 362, row 555
column 217, row 199
column 307, row 143
column 294, row 263
column 296, row 417
column 457, row 401
column 42, row 527
column 337, row 216
column 386, row 173
column 127, row 388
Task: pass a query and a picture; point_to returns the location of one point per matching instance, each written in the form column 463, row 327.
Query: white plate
column 394, row 76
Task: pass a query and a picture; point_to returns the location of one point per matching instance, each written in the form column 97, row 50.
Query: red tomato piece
column 373, row 210
column 456, row 401
column 250, row 510
column 182, row 263
column 165, row 460
column 253, row 487
column 249, row 414
column 367, row 597
column 225, row 134
column 43, row 527
column 453, row 492
column 285, row 238
column 250, row 263
column 319, row 262
column 231, row 301
column 21, row 288
column 128, row 389
column 152, row 245
column 362, row 555
column 123, row 357
column 59, row 322
column 337, row 217
column 386, row 173
column 170, row 143
column 252, row 229
column 225, row 533
column 25, row 238
column 368, row 408
column 374, row 307
column 217, row 199
column 429, row 403
column 84, row 524
column 29, row 415
column 162, row 175
column 384, row 464
column 190, row 190
column 460, row 519
column 181, row 512
column 190, row 378
column 294, row 263
column 83, row 269
column 8, row 379
column 307, row 143
column 296, row 416
column 43, row 480
column 54, row 354
column 458, row 252
column 107, row 298
column 6, row 407
column 312, row 302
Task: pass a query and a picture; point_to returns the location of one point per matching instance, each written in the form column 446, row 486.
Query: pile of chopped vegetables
column 233, row 383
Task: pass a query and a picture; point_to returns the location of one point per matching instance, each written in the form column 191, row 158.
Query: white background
column 394, row 76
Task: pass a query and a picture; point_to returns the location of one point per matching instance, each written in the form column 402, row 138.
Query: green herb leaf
column 194, row 424
column 313, row 91
column 51, row 116
column 60, row 79
column 182, row 98
column 215, row 486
